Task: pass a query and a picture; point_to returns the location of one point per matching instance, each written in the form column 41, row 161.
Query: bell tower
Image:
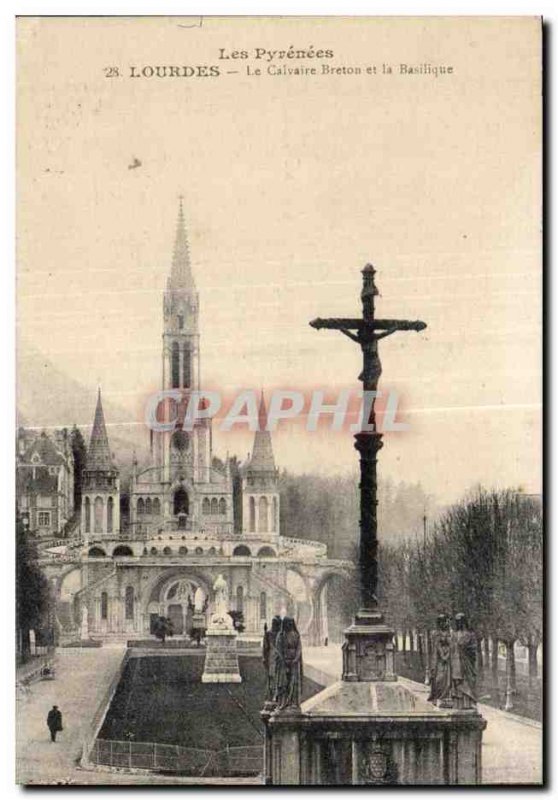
column 181, row 318
column 181, row 455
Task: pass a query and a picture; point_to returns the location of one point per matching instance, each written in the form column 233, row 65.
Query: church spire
column 98, row 455
column 262, row 453
column 181, row 273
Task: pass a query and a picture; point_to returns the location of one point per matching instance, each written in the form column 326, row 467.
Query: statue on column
column 84, row 631
column 270, row 656
column 289, row 665
column 463, row 664
column 440, row 665
column 220, row 617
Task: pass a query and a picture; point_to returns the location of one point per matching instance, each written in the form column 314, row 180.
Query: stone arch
column 252, row 513
column 266, row 552
column 129, row 601
column 96, row 552
column 110, row 514
column 122, row 550
column 242, row 550
column 156, row 588
column 300, row 598
column 263, row 515
column 181, row 501
column 175, row 365
column 87, row 515
column 98, row 512
column 329, row 619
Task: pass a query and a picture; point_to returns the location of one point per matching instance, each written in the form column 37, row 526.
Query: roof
column 98, row 454
column 262, row 459
column 47, row 451
column 181, row 271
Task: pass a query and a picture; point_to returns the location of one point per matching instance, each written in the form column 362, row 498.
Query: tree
column 79, row 453
column 163, row 627
column 33, row 602
column 238, row 620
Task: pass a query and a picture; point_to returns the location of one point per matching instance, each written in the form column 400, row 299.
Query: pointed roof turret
column 262, row 453
column 98, row 454
column 181, row 272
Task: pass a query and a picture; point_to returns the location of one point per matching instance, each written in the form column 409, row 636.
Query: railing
column 193, row 761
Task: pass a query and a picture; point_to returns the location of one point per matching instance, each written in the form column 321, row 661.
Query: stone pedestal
column 370, row 728
column 221, row 657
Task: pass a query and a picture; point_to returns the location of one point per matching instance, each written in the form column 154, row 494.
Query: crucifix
column 367, row 331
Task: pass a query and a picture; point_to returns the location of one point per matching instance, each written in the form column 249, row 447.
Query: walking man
column 54, row 722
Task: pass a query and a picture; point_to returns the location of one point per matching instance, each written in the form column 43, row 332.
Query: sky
column 291, row 185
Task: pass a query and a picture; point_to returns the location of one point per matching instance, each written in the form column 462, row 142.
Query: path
column 512, row 745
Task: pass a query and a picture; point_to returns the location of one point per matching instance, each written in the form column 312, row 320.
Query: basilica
column 190, row 518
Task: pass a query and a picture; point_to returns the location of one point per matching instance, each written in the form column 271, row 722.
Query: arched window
column 148, row 506
column 206, row 506
column 87, row 515
column 212, row 551
column 241, row 550
column 187, row 367
column 199, row 551
column 175, row 365
column 98, row 510
column 129, row 603
column 262, row 516
column 182, row 551
column 156, row 506
column 181, row 503
column 104, row 605
column 252, row 515
column 263, row 606
column 222, row 506
column 214, row 505
column 153, row 551
column 141, row 506
column 110, row 514
column 275, row 521
column 167, row 551
column 240, row 598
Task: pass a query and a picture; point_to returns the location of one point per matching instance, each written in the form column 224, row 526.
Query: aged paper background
column 291, row 183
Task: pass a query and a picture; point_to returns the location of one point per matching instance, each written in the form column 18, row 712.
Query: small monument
column 84, row 629
column 221, row 658
column 371, row 728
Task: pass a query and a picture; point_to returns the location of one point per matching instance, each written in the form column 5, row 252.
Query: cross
column 367, row 331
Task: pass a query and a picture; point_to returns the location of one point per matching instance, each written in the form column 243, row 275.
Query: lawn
column 161, row 699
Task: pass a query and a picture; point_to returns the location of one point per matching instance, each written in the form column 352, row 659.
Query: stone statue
column 84, row 633
column 463, row 664
column 182, row 591
column 289, row 665
column 198, row 600
column 220, row 617
column 270, row 656
column 440, row 665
